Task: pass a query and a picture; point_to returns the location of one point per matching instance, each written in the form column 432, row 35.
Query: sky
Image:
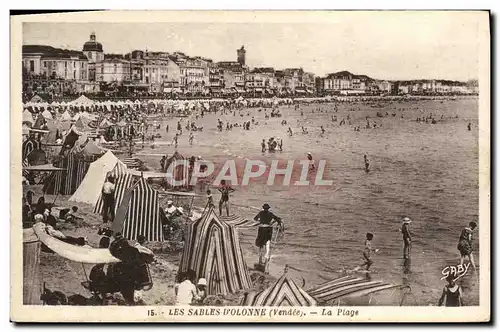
column 381, row 45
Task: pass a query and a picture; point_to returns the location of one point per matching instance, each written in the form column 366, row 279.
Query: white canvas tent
column 27, row 117
column 66, row 116
column 47, row 115
column 90, row 188
column 82, row 100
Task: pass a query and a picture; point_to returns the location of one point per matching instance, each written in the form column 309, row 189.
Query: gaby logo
column 458, row 271
column 252, row 169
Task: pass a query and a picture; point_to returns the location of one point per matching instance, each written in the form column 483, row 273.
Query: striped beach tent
column 139, row 213
column 123, row 181
column 28, row 146
column 66, row 183
column 212, row 249
column 283, row 293
column 89, row 190
column 347, row 286
column 239, row 222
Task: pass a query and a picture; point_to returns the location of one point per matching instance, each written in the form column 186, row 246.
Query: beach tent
column 212, row 249
column 37, row 99
column 82, row 100
column 123, row 181
column 89, row 190
column 66, row 116
column 40, row 122
column 139, row 213
column 66, row 183
column 25, row 129
column 283, row 293
column 47, row 115
column 347, row 286
column 92, row 150
column 28, row 117
column 180, row 172
column 28, row 146
column 37, row 157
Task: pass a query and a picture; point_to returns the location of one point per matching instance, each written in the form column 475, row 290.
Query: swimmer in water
column 367, row 164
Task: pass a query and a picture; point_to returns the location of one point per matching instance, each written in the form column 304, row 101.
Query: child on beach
column 367, row 253
column 210, row 198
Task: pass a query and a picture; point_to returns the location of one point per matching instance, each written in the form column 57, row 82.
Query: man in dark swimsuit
column 224, row 199
column 265, row 233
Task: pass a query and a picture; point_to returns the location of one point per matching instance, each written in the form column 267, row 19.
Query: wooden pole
column 32, row 287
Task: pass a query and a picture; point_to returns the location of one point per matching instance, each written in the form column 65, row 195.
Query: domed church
column 93, row 50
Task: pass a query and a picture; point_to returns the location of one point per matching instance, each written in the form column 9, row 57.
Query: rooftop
column 52, row 52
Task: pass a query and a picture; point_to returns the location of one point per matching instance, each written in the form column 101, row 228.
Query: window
column 32, row 65
column 90, row 55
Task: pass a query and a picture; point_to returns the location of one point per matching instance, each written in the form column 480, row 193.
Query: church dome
column 92, row 45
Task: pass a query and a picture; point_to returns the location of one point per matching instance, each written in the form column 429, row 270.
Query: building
column 260, row 80
column 346, row 83
column 234, row 75
column 155, row 70
column 281, row 83
column 52, row 71
column 112, row 70
column 194, row 74
column 215, row 78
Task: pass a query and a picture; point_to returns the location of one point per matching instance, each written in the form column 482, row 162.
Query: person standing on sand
column 108, row 197
column 469, row 126
column 265, row 234
column 367, row 164
column 405, row 229
column 263, row 145
column 465, row 244
column 225, row 190
column 452, row 293
column 191, row 138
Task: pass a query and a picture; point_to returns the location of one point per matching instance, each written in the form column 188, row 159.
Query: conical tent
column 89, row 190
column 139, row 213
column 28, row 117
column 66, row 183
column 283, row 293
column 91, row 149
column 40, row 122
column 37, row 99
column 47, row 115
column 82, row 100
column 66, row 116
column 212, row 249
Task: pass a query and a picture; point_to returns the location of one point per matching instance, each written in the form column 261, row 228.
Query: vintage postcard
column 239, row 166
